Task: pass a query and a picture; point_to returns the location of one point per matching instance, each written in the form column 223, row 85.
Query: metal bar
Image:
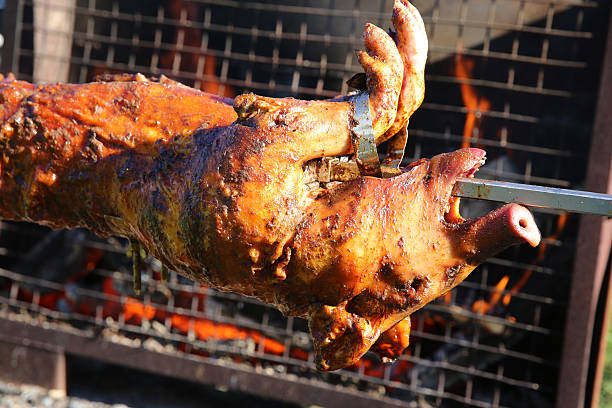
column 535, row 196
column 362, row 135
column 396, row 147
column 356, row 13
column 604, row 312
column 593, row 248
column 11, row 30
column 53, row 35
column 27, row 361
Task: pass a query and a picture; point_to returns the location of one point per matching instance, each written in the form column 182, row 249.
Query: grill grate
column 516, row 77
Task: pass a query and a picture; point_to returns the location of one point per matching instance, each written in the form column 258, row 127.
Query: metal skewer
column 535, row 196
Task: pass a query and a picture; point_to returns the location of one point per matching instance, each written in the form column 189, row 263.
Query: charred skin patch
column 451, row 274
column 151, row 220
column 167, row 161
column 194, row 227
column 95, row 148
column 398, row 295
column 427, row 179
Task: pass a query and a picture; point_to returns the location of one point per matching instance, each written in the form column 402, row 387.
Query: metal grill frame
column 13, row 26
column 593, row 259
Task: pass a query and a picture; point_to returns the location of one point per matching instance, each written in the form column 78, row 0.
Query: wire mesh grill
column 518, row 78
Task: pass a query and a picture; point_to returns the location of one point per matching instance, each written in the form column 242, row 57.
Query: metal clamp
column 396, row 147
column 364, row 145
column 366, row 161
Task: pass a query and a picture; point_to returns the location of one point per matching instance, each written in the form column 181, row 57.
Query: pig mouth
column 511, row 223
column 451, row 212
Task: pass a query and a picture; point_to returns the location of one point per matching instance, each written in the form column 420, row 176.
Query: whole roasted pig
column 217, row 189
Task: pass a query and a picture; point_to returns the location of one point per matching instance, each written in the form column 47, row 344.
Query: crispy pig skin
column 217, row 190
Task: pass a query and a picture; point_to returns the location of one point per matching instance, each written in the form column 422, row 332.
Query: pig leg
column 321, row 128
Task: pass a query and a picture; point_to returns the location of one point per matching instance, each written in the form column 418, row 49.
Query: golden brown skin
column 219, row 193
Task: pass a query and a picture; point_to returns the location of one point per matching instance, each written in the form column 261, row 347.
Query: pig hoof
column 340, row 338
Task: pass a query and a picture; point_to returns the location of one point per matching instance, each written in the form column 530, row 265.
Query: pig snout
column 521, row 223
column 509, row 225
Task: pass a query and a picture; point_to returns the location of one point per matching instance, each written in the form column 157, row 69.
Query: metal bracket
column 364, row 145
column 396, row 147
column 366, row 162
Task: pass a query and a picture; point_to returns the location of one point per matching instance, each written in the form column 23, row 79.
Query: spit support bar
column 332, row 169
column 535, row 196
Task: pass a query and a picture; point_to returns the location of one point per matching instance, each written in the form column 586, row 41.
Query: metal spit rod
column 535, row 196
column 331, row 169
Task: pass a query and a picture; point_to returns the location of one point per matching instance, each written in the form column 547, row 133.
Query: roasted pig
column 219, row 191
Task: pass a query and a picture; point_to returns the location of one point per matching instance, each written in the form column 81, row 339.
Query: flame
column 464, row 69
column 52, row 299
column 481, row 306
column 134, row 311
column 476, row 105
column 189, row 61
column 206, row 329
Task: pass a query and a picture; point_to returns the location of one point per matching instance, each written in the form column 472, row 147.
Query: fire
column 207, row 329
column 482, row 306
column 188, row 61
column 476, row 105
column 135, row 310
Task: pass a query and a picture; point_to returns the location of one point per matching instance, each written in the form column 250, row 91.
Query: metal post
column 11, row 31
column 592, row 253
column 53, row 32
column 37, row 364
